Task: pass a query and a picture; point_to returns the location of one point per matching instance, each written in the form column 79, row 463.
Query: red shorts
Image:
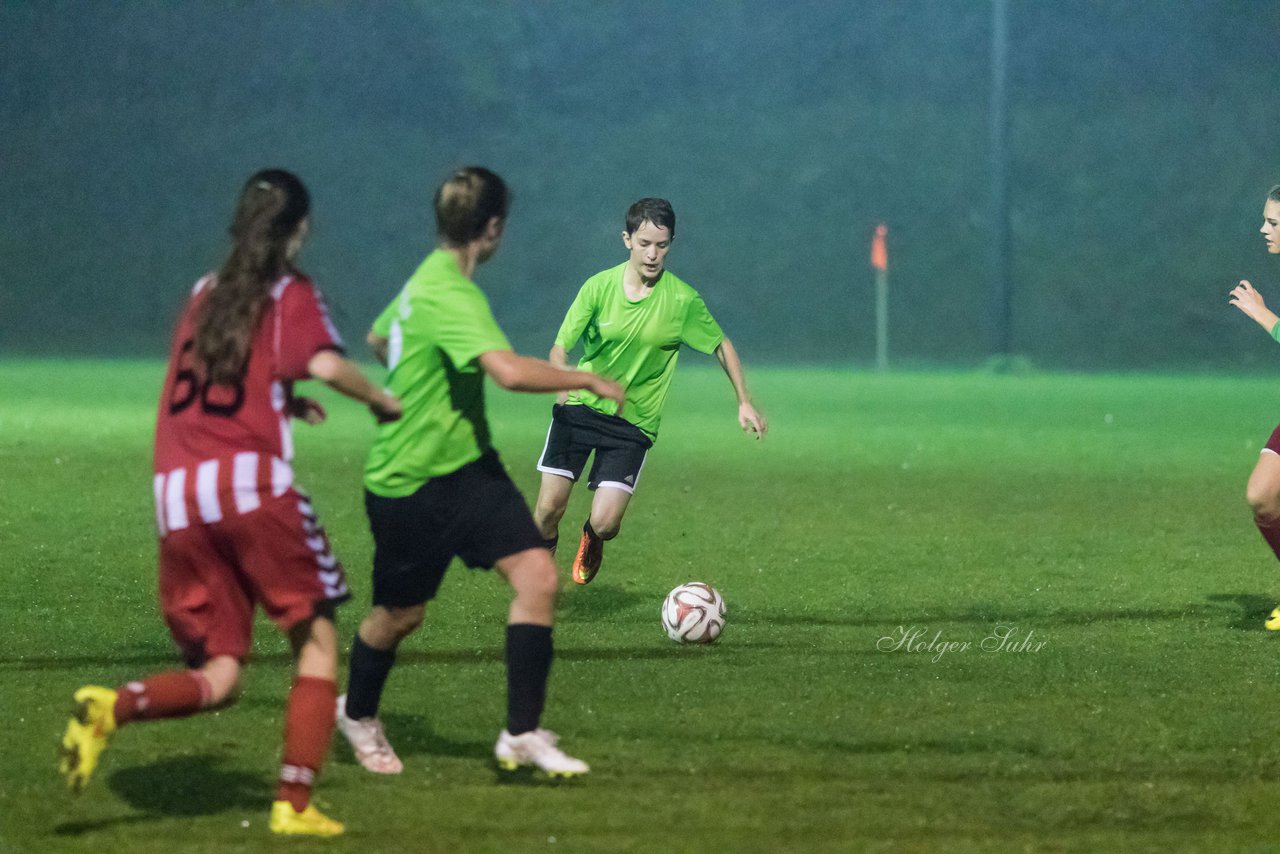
column 212, row 574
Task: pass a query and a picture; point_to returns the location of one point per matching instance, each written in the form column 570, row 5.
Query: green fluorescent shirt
column 636, row 343
column 435, row 329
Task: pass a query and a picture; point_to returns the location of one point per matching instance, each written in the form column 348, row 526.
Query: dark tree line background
column 1143, row 136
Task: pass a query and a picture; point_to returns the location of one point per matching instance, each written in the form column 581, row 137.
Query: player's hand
column 1245, row 298
column 308, row 409
column 608, row 389
column 386, row 408
column 752, row 420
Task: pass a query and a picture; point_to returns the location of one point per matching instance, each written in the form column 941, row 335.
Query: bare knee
column 606, row 526
column 538, row 581
column 1265, row 506
column 547, row 515
column 548, row 510
column 607, row 509
column 222, row 676
column 384, row 627
column 1263, row 490
column 532, row 575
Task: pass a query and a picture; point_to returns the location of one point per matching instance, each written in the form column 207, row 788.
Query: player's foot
column 536, row 747
column 1273, row 621
column 310, row 822
column 587, row 562
column 92, row 722
column 368, row 741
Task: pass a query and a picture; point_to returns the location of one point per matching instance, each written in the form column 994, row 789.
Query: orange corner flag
column 879, row 253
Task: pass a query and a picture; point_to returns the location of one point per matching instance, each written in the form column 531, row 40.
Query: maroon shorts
column 1273, row 443
column 212, row 574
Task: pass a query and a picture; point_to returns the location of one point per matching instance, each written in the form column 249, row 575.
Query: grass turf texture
column 1101, row 517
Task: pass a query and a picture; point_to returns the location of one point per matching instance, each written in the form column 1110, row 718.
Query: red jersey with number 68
column 235, row 440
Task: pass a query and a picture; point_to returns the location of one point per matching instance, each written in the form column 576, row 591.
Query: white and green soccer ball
column 693, row 613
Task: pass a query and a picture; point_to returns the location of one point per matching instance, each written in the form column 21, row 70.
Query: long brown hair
column 272, row 205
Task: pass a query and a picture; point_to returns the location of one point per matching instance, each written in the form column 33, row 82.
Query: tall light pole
column 1001, row 285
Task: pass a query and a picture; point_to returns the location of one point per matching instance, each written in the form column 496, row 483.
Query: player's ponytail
column 272, row 205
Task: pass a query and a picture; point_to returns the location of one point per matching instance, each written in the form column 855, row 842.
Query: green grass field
column 1098, row 519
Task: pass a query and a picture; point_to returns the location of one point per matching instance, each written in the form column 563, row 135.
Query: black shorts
column 475, row 513
column 577, row 430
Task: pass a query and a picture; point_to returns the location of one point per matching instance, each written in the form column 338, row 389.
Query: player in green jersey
column 632, row 321
column 435, row 488
column 1263, row 491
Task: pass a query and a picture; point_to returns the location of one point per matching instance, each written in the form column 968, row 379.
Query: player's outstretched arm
column 750, row 419
column 1248, row 300
column 341, row 375
column 525, row 373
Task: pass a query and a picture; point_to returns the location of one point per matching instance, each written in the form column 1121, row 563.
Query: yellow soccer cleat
column 309, row 822
column 88, row 731
column 1273, row 621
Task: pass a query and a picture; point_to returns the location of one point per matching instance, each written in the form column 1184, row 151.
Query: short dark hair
column 656, row 211
column 1274, row 193
column 467, row 201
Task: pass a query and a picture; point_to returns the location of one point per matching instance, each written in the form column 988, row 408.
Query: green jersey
column 435, row 329
column 636, row 343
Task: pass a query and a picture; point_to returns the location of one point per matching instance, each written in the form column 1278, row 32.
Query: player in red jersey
column 1263, row 491
column 234, row 530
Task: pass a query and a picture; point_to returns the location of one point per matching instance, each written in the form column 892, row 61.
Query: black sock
column 528, row 664
column 590, row 531
column 550, row 543
column 368, row 673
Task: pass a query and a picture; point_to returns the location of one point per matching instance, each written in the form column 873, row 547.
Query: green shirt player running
column 632, row 321
column 435, row 488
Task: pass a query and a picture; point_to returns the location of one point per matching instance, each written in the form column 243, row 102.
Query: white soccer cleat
column 536, row 747
column 368, row 741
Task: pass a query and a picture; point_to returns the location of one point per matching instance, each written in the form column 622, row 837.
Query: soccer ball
column 693, row 613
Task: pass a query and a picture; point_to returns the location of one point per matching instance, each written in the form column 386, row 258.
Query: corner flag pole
column 880, row 263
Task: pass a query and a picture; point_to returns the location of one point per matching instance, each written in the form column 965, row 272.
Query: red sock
column 175, row 694
column 1270, row 530
column 308, row 726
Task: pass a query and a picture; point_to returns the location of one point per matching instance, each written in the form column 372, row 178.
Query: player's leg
column 497, row 530
column 100, row 711
column 608, row 506
column 373, row 654
column 408, row 565
column 561, row 462
column 548, row 510
column 614, row 476
column 1263, row 495
column 213, row 637
column 282, row 552
column 309, row 721
column 532, row 576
